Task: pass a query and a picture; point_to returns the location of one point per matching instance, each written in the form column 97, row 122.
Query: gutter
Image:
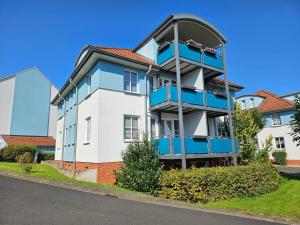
column 63, row 132
column 146, row 99
column 76, row 126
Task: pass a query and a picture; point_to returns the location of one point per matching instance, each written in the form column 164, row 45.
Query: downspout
column 76, row 126
column 63, row 132
column 146, row 100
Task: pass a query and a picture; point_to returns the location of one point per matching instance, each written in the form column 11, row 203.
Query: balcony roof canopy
column 189, row 27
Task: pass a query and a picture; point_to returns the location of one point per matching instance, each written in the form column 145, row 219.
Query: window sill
column 131, row 140
column 132, row 93
column 86, row 143
column 279, row 125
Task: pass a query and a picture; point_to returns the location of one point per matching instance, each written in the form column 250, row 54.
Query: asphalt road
column 25, row 202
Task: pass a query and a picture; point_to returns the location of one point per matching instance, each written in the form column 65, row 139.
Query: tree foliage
column 295, row 122
column 142, row 169
column 247, row 124
column 263, row 153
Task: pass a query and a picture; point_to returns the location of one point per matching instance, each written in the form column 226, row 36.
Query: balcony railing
column 195, row 146
column 189, row 96
column 190, row 53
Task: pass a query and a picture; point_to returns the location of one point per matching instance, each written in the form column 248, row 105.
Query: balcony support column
column 234, row 155
column 180, row 110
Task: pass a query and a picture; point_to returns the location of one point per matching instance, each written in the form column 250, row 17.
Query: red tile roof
column 26, row 140
column 125, row 53
column 273, row 102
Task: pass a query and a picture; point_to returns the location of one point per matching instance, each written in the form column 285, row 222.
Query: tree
column 142, row 169
column 263, row 154
column 295, row 122
column 247, row 124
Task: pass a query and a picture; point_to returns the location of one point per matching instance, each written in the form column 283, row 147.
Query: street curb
column 143, row 198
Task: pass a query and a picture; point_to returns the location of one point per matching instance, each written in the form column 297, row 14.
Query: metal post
column 180, row 111
column 229, row 110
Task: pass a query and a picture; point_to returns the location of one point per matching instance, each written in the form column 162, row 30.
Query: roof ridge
column 277, row 97
column 109, row 47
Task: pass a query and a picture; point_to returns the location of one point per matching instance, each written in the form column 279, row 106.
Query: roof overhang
column 92, row 56
column 193, row 27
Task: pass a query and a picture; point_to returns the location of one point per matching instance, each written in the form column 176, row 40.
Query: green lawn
column 49, row 173
column 284, row 202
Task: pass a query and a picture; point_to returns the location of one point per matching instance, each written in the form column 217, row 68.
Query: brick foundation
column 293, row 162
column 105, row 171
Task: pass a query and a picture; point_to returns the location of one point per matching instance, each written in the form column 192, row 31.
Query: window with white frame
column 88, row 84
column 130, row 81
column 276, row 119
column 243, row 104
column 153, row 128
column 251, row 102
column 131, row 128
column 279, row 142
column 87, row 138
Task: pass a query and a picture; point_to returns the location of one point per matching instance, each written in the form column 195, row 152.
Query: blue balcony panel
column 188, row 96
column 165, row 54
column 189, row 52
column 216, row 101
column 158, row 96
column 195, row 146
column 222, row 145
column 213, row 60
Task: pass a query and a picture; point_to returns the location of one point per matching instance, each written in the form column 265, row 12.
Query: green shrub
column 218, row 183
column 280, row 157
column 11, row 153
column 142, row 169
column 42, row 156
column 25, row 160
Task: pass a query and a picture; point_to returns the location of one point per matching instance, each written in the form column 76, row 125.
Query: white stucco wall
column 194, row 79
column 89, row 152
column 6, row 104
column 59, row 138
column 149, row 50
column 195, row 124
column 293, row 152
column 113, row 106
column 52, row 114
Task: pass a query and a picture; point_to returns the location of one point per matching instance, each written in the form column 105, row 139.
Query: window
column 130, row 81
column 151, row 83
column 276, row 119
column 131, row 128
column 251, row 102
column 176, row 128
column 87, row 130
column 88, row 84
column 243, row 104
column 279, row 143
column 153, row 128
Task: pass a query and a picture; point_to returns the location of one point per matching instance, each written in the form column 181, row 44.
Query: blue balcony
column 169, row 93
column 190, row 53
column 189, row 96
column 195, row 146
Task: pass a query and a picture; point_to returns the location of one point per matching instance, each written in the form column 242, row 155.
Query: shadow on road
column 290, row 172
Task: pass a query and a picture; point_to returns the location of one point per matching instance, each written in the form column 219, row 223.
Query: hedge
column 42, row 156
column 280, row 157
column 218, row 183
column 11, row 153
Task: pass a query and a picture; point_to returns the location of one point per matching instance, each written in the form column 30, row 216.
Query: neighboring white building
column 277, row 111
column 25, row 109
column 116, row 95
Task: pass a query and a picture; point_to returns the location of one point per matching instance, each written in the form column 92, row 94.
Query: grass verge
column 51, row 174
column 282, row 203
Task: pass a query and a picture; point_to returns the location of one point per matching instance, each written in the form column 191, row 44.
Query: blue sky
column 263, row 51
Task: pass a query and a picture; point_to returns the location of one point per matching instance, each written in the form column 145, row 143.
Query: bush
column 42, row 156
column 280, row 157
column 142, row 169
column 11, row 153
column 25, row 161
column 218, row 183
